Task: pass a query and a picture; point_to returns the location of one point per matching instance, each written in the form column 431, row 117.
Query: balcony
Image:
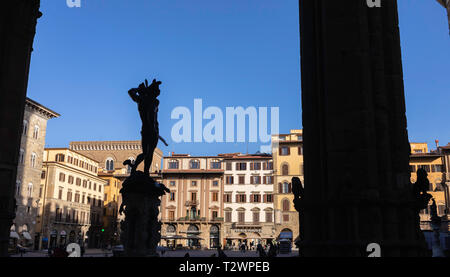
column 191, row 203
column 188, row 218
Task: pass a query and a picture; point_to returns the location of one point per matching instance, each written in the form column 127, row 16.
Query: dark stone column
column 17, row 29
column 356, row 149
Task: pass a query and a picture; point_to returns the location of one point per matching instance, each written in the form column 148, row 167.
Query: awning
column 26, row 235
column 14, row 235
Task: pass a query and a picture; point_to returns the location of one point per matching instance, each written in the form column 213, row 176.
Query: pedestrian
column 272, row 250
column 261, row 251
column 187, row 255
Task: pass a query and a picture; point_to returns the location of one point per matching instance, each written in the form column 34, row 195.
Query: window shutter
column 280, row 188
column 264, row 166
column 264, row 179
column 251, row 180
column 279, row 151
column 288, row 150
column 251, row 166
column 265, row 198
column 289, row 188
column 237, row 198
column 252, row 198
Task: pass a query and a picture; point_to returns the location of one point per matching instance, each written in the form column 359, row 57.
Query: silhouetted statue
column 298, row 191
column 140, row 193
column 146, row 98
column 420, row 188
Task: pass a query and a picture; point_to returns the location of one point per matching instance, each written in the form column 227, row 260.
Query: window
column 284, row 187
column 214, row 214
column 300, row 150
column 69, row 195
column 229, row 166
column 241, row 166
column 33, row 160
column 25, row 128
column 268, row 180
column 60, row 193
column 30, row 189
column 59, row 157
column 215, row 183
column 171, row 215
column 426, row 167
column 193, row 196
column 255, row 166
column 215, row 164
column 18, row 187
column 95, row 186
column 194, row 183
column 437, row 168
column 215, row 196
column 241, row 198
column 241, row 217
column 41, row 190
column 77, row 197
column 99, row 188
column 109, row 164
column 267, row 165
column 241, row 180
column 172, row 196
column 21, row 156
column 36, row 132
column 83, row 198
column 255, row 217
column 285, row 218
column 75, row 161
column 227, row 198
column 284, row 151
column 256, row 198
column 268, row 198
column 43, row 174
column 172, row 183
column 227, row 216
column 132, row 162
column 255, row 180
column 173, row 164
column 84, row 183
column 78, row 181
column 62, row 177
column 286, row 205
column 229, row 180
column 285, row 169
column 269, row 217
column 194, row 164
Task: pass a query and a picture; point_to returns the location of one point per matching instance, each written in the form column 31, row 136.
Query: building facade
column 432, row 163
column 192, row 214
column 72, row 199
column 287, row 152
column 248, row 200
column 445, row 152
column 29, row 168
column 111, row 155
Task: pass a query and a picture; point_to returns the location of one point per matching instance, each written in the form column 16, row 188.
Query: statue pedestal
column 141, row 229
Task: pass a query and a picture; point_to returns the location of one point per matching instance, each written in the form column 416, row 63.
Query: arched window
column 132, row 162
column 21, row 156
column 194, row 164
column 286, row 205
column 171, row 230
column 33, row 160
column 173, row 164
column 285, row 169
column 215, row 164
column 24, row 127
column 18, row 187
column 109, row 164
column 30, row 190
column 36, row 132
column 284, row 187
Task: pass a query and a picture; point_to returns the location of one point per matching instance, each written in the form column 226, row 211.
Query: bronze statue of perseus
column 146, row 98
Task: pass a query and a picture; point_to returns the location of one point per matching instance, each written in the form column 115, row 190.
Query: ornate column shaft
column 17, row 29
column 356, row 149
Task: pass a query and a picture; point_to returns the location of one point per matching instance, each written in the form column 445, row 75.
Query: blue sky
column 228, row 53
